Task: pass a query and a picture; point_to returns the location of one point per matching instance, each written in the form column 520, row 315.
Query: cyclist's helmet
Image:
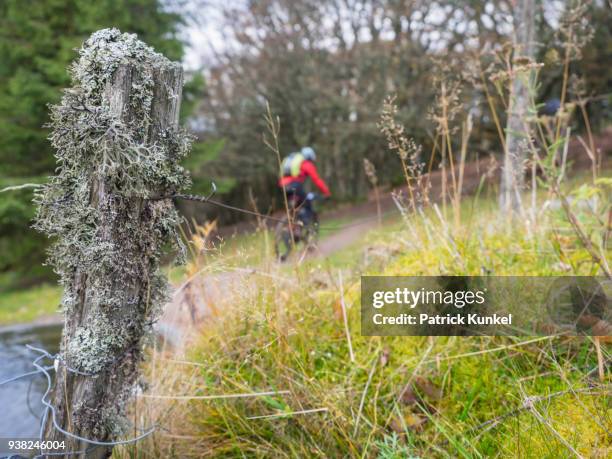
column 309, row 154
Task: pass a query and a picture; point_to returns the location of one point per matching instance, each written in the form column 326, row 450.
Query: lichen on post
column 117, row 144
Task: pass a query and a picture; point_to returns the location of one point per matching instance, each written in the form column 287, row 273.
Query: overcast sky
column 198, row 40
column 204, row 21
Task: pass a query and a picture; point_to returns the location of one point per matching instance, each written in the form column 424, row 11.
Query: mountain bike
column 301, row 228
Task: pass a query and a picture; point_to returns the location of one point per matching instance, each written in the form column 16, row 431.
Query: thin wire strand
column 208, row 200
column 49, row 408
column 24, row 375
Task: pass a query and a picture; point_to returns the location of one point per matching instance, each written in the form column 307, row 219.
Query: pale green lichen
column 108, row 236
column 89, row 350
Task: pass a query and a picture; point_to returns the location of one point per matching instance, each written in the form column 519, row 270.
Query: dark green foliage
column 193, row 91
column 595, row 64
column 37, row 41
column 202, row 155
column 21, row 251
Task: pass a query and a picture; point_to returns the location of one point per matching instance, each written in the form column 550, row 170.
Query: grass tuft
column 397, row 397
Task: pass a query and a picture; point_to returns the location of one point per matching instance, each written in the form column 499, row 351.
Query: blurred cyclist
column 295, row 169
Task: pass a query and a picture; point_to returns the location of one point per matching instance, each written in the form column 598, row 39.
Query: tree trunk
column 513, row 172
column 111, row 298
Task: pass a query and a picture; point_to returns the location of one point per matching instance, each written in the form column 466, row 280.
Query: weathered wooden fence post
column 118, row 143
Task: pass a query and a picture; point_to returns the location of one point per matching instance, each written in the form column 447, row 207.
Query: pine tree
column 38, row 39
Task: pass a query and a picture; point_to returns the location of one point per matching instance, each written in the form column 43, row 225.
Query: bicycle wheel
column 312, row 236
column 282, row 241
column 311, row 232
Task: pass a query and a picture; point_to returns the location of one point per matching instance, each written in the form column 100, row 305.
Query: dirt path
column 364, row 218
column 344, row 238
column 200, row 297
column 204, row 295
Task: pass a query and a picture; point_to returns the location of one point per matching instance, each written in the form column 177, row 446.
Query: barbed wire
column 51, row 410
column 208, row 200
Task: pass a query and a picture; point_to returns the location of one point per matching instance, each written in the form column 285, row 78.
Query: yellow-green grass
column 295, row 341
column 23, row 306
column 500, row 396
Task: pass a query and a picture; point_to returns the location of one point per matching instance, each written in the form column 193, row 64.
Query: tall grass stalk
column 273, row 126
column 370, row 172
